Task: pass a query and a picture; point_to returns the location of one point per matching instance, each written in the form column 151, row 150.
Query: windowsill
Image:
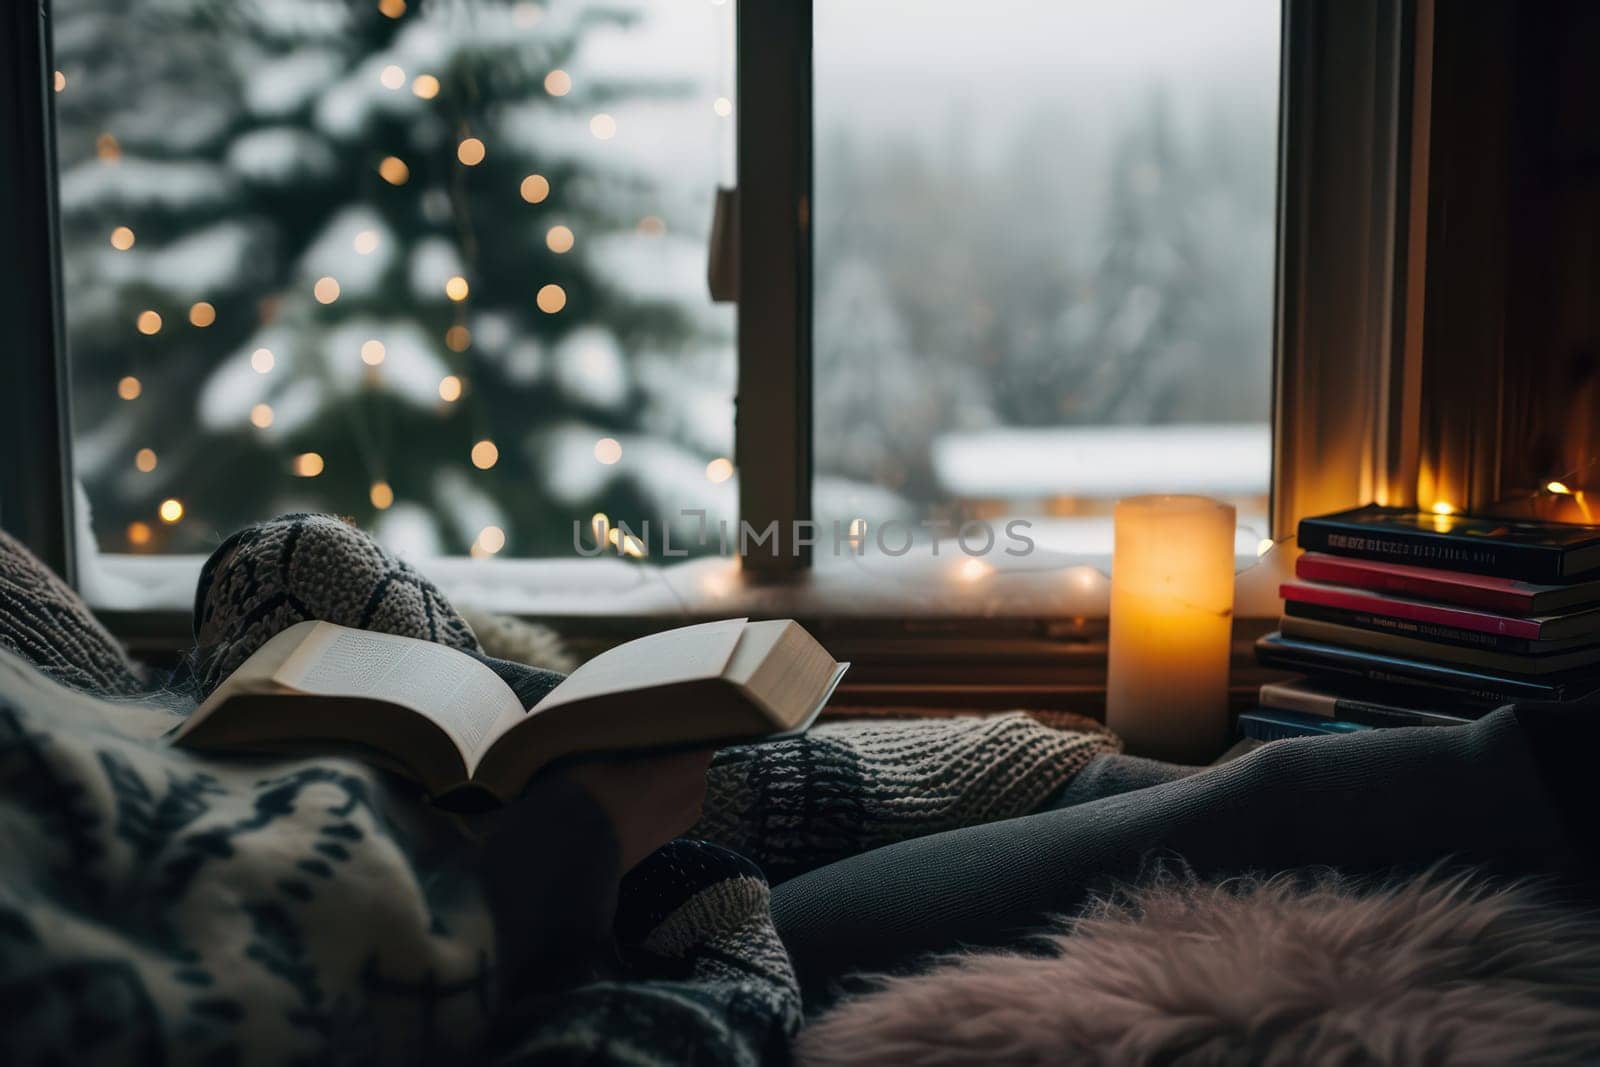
column 946, row 584
column 920, row 630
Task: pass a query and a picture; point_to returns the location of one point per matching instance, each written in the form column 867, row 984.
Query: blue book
column 1271, row 724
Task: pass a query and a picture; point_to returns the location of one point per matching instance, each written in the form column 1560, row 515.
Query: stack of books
column 1404, row 618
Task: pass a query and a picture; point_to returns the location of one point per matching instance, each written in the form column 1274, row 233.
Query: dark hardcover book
column 1431, row 681
column 1478, row 659
column 1363, row 704
column 1268, row 724
column 1481, row 591
column 1430, row 631
column 1525, row 549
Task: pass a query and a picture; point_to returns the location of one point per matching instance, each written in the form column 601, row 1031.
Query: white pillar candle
column 1171, row 626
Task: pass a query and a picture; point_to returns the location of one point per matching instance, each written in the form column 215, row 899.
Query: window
column 1044, row 259
column 438, row 266
column 442, row 267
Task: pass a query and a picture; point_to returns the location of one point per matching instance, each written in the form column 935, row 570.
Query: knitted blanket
column 162, row 905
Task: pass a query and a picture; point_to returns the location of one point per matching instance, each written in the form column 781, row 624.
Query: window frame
column 1347, row 335
column 36, row 494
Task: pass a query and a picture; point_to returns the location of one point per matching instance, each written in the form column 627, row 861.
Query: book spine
column 1531, row 563
column 1487, row 692
column 1281, row 725
column 1383, row 715
column 1344, row 572
column 1437, row 614
column 1422, row 631
column 1372, row 712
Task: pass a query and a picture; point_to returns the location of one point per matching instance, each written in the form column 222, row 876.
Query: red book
column 1369, row 609
column 1482, row 591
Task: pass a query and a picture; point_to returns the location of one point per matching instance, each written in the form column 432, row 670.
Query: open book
column 448, row 721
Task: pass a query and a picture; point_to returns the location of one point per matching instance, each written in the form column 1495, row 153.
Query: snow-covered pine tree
column 428, row 265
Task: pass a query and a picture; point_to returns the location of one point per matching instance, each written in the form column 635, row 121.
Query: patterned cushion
column 46, row 623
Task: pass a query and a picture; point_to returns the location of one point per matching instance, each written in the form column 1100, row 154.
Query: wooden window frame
column 1349, row 311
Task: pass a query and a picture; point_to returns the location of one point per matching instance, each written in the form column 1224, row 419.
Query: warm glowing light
column 392, row 77
column 625, row 544
column 535, row 188
column 858, row 528
column 485, row 455
column 458, row 338
column 559, row 239
column 1559, row 488
column 261, row 360
column 470, row 152
column 608, row 450
column 558, row 83
column 456, row 288
column 652, row 226
column 372, row 352
column 491, row 539
column 425, row 86
column 972, row 570
column 202, row 314
column 122, row 238
column 366, row 242
column 107, row 148
column 1441, row 507
column 722, row 106
column 60, row 81
column 600, row 526
column 149, row 322
column 381, row 495
column 171, row 510
column 719, row 470
column 139, row 533
column 392, row 8
column 551, row 299
column 393, row 170
column 129, row 388
column 145, row 459
column 326, row 290
column 307, row 465
column 261, row 416
column 603, row 126
column 1264, row 546
column 449, row 388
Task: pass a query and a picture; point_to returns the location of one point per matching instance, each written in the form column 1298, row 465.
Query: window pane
column 436, row 265
column 1044, row 257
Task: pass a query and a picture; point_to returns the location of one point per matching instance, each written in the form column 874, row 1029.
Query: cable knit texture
column 851, row 786
column 42, row 620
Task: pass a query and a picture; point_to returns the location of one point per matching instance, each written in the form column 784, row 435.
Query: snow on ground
column 1104, row 461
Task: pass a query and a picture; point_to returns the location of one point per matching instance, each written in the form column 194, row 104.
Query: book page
column 687, row 654
column 460, row 694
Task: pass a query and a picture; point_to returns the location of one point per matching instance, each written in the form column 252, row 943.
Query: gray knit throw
column 847, row 787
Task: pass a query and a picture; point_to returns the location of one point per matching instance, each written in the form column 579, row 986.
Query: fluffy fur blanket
column 1278, row 973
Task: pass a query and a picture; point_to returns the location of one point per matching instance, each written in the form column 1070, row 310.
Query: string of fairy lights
column 550, row 299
